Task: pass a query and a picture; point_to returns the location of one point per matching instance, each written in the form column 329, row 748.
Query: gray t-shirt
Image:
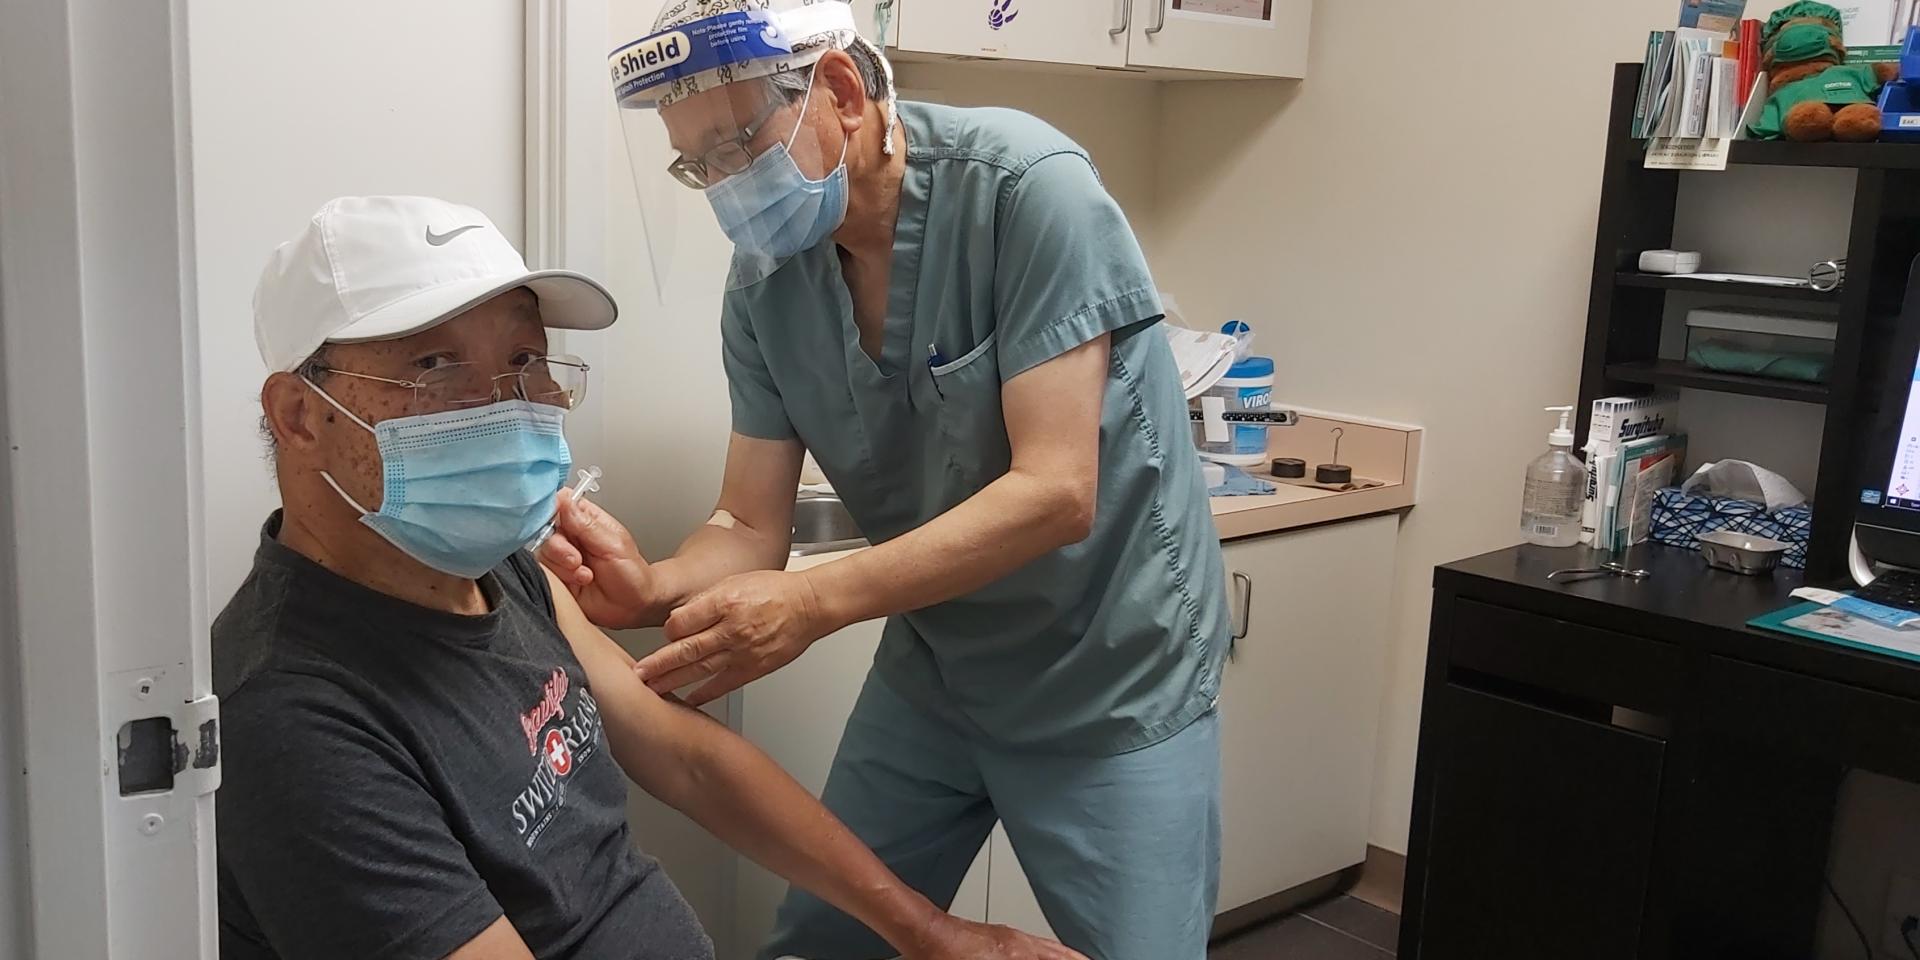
column 397, row 778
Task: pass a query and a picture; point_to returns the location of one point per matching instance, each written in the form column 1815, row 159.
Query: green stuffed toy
column 1815, row 94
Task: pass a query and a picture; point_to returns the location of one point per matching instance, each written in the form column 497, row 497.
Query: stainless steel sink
column 823, row 525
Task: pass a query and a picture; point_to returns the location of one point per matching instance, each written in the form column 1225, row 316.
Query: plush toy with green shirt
column 1815, row 94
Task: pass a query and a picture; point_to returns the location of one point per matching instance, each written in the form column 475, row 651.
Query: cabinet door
column 1300, row 703
column 796, row 714
column 1542, row 835
column 1256, row 38
column 1085, row 32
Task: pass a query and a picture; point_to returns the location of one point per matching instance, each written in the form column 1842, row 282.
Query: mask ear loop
column 324, row 475
column 845, row 141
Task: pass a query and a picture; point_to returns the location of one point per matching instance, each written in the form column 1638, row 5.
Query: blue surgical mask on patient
column 772, row 210
column 466, row 488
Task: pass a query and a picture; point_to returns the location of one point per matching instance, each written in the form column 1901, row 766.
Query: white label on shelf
column 1686, row 153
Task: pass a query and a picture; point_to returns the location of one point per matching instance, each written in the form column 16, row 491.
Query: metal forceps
column 1608, row 569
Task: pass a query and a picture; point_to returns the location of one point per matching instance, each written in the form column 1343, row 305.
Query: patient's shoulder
column 254, row 633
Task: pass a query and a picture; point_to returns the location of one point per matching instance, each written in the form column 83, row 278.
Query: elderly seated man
column 421, row 730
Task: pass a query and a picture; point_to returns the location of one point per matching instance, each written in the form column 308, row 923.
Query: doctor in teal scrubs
column 951, row 313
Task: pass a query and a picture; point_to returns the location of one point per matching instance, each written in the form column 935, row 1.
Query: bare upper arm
column 499, row 941
column 1052, row 412
column 608, row 666
column 757, row 487
column 650, row 736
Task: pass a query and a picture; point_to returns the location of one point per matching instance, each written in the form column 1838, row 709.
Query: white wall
column 294, row 104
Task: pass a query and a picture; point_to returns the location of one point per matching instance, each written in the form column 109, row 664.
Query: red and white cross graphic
column 558, row 756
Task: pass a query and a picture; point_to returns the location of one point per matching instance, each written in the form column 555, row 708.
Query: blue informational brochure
column 1720, row 16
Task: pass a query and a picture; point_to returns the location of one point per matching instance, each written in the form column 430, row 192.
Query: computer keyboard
column 1898, row 589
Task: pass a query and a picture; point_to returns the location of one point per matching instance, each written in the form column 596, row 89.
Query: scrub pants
column 1123, row 852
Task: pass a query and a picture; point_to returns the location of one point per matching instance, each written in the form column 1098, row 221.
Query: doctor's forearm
column 716, row 551
column 1007, row 525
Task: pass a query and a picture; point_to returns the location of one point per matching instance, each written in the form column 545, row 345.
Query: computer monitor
column 1887, row 525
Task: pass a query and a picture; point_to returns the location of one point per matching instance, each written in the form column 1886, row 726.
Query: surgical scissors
column 1609, row 569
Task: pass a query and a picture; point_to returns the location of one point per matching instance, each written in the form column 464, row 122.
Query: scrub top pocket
column 972, row 425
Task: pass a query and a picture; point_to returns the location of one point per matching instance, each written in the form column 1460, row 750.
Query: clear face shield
column 721, row 125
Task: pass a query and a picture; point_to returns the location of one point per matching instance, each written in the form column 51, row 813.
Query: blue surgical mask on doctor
column 465, row 488
column 772, row 209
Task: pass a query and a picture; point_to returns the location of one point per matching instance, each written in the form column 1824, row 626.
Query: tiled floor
column 1339, row 929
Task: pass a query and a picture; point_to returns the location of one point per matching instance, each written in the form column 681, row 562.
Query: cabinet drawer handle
column 1243, row 585
column 1126, row 20
column 1159, row 17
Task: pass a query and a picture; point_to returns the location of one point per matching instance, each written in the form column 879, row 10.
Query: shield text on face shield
column 696, row 107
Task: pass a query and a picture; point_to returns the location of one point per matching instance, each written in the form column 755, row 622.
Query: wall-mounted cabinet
column 1170, row 38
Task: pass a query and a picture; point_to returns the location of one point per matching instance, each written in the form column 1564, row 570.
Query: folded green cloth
column 1727, row 358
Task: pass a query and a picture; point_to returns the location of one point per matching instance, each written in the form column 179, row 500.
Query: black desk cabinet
column 1618, row 769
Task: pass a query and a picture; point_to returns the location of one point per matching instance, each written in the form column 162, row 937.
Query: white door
column 1300, row 704
column 1085, row 32
column 1256, row 38
column 121, row 733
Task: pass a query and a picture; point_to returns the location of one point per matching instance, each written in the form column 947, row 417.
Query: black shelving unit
column 1673, row 373
column 1626, row 309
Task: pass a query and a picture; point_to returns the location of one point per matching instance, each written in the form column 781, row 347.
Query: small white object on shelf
column 1669, row 261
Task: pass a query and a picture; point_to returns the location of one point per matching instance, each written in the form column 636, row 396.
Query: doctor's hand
column 736, row 632
column 955, row 939
column 595, row 556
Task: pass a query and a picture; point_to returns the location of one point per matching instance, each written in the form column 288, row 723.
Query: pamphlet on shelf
column 1639, row 470
column 1747, row 57
column 1614, row 423
column 1814, row 621
column 1720, row 16
column 1892, row 617
column 1684, row 153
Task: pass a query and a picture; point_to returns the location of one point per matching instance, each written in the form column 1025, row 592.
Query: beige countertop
column 1289, row 507
column 1378, row 451
column 1385, row 452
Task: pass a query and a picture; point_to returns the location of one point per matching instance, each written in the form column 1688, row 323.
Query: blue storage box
column 1679, row 520
column 1900, row 99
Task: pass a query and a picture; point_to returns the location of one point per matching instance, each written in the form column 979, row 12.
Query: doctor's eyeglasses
column 559, row 380
column 726, row 158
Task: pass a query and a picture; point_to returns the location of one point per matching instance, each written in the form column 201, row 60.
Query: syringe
column 589, row 482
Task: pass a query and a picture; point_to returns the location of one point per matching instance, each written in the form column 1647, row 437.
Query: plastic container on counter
column 1248, row 386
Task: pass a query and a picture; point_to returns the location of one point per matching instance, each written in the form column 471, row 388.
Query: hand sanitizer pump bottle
column 1556, row 488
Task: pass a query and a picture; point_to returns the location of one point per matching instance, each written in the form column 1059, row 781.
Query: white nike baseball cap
column 382, row 268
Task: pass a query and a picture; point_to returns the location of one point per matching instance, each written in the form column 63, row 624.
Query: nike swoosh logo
column 440, row 239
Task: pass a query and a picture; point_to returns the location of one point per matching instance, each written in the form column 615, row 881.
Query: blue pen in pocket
column 934, row 360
